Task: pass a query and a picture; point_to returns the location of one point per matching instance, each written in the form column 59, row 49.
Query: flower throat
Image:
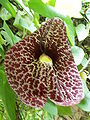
column 45, row 59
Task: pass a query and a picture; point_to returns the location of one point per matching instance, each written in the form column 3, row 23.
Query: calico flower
column 42, row 67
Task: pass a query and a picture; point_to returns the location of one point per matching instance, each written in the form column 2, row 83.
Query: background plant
column 21, row 17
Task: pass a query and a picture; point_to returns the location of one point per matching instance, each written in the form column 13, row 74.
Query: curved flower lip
column 35, row 82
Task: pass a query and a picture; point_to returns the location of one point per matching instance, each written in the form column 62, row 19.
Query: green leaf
column 23, row 20
column 7, row 95
column 1, row 47
column 30, row 27
column 17, row 20
column 84, row 64
column 25, row 2
column 86, row 90
column 2, row 66
column 10, row 34
column 36, row 19
column 7, row 37
column 78, row 54
column 8, row 6
column 20, row 2
column 51, row 2
column 85, row 103
column 2, row 51
column 2, row 41
column 49, row 116
column 64, row 110
column 88, row 13
column 50, row 107
column 84, row 61
column 70, row 30
column 4, row 14
column 79, row 67
column 82, row 33
column 88, row 27
column 44, row 9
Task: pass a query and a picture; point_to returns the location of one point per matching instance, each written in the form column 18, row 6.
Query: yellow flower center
column 45, row 59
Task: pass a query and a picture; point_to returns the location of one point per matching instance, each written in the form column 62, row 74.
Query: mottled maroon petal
column 24, row 73
column 66, row 85
column 33, row 81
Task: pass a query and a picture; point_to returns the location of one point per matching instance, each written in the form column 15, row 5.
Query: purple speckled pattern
column 35, row 82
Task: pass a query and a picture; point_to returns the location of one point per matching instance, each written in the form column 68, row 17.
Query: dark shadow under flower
column 42, row 67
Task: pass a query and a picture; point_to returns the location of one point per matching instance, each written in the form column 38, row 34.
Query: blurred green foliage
column 21, row 17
